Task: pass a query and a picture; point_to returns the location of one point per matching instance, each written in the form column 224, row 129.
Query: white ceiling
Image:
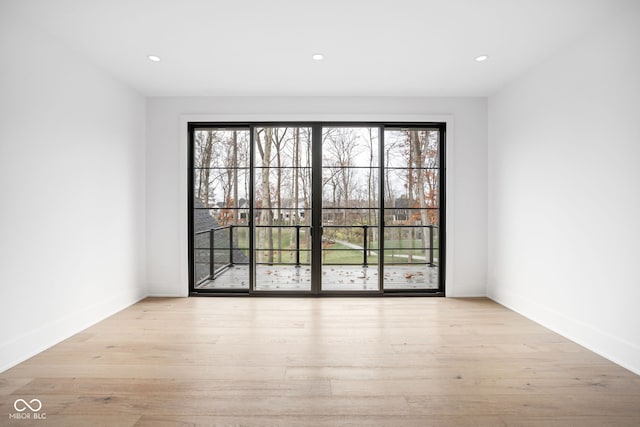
column 374, row 47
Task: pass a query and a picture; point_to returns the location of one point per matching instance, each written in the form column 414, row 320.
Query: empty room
column 337, row 213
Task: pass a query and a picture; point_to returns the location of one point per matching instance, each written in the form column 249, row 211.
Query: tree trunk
column 413, row 195
column 279, row 195
column 265, row 234
column 235, row 174
column 387, row 186
column 266, row 191
column 370, row 189
column 203, row 187
column 418, row 159
column 294, row 216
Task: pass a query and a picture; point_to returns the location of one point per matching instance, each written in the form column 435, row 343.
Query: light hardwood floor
column 321, row 362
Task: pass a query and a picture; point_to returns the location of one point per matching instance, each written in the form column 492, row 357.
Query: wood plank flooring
column 320, row 362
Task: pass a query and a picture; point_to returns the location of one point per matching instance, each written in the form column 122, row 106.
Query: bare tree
column 204, row 150
column 340, row 149
column 279, row 136
column 305, row 177
column 266, row 215
column 390, row 195
column 294, row 216
column 234, row 163
column 418, row 143
column 371, row 203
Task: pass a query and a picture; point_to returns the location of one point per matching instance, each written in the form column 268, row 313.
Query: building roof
column 202, row 219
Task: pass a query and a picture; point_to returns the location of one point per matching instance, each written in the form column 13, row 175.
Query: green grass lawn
column 338, row 253
column 286, row 236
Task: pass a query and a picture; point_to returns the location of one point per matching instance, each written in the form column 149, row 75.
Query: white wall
column 72, row 171
column 166, row 173
column 564, row 192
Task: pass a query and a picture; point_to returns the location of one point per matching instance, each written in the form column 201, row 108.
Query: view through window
column 316, row 208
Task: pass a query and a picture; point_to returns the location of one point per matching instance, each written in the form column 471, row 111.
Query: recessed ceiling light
column 154, row 58
column 482, row 58
column 318, row 56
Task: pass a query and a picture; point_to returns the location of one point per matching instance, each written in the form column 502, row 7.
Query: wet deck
column 334, row 278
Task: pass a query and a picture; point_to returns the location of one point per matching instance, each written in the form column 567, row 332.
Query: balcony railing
column 225, row 248
column 331, row 235
column 218, row 249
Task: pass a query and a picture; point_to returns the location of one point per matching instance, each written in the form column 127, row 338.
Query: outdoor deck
column 334, row 278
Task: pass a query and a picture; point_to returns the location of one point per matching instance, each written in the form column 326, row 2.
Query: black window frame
column 317, row 217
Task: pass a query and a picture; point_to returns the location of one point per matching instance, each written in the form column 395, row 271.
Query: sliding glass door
column 350, row 208
column 316, row 208
column 412, row 200
column 282, row 208
column 220, row 208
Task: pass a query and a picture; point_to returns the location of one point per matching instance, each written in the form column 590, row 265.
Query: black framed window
column 316, row 208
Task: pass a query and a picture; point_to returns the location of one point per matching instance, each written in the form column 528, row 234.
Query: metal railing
column 221, row 248
column 298, row 228
column 367, row 250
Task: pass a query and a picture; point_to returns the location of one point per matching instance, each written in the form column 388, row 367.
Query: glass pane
column 350, row 215
column 213, row 218
column 283, row 278
column 201, row 240
column 282, row 216
column 201, row 265
column 225, row 265
column 411, row 214
column 281, row 238
column 288, row 179
column 410, row 237
column 220, row 148
column 221, row 167
column 221, row 203
column 350, row 146
column 288, row 147
column 282, row 257
column 349, row 187
column 412, row 148
column 403, row 187
column 350, row 278
column 282, row 200
column 228, row 187
column 410, row 276
column 241, row 238
column 407, row 256
column 401, row 216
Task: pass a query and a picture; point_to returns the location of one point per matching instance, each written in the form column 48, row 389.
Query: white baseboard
column 166, row 295
column 617, row 350
column 168, row 290
column 464, row 295
column 28, row 345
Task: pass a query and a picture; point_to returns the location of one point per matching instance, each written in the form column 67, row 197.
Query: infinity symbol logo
column 26, row 405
